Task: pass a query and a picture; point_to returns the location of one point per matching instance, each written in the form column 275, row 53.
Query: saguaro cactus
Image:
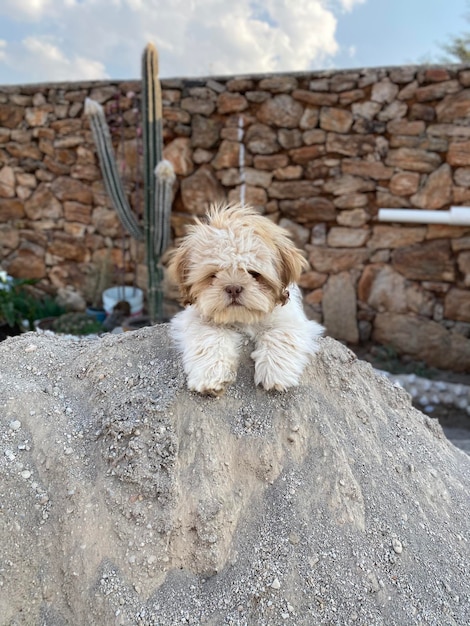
column 158, row 178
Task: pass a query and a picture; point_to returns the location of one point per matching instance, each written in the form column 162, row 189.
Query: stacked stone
column 56, row 221
column 319, row 153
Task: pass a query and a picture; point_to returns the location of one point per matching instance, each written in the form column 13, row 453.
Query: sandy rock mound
column 125, row 499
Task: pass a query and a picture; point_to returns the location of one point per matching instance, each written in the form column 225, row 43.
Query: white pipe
column 457, row 216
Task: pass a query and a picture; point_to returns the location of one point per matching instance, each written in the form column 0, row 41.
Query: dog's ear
column 292, row 263
column 178, row 268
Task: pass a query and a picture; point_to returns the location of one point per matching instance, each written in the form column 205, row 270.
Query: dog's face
column 236, row 267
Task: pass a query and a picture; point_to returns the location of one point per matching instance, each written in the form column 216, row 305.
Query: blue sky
column 397, row 32
column 62, row 40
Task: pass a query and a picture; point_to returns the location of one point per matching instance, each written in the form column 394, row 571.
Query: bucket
column 133, row 295
column 98, row 314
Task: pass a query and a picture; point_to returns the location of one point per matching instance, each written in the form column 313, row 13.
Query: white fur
column 210, row 352
column 284, row 342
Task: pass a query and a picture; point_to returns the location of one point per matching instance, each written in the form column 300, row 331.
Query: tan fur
column 177, row 271
column 235, row 245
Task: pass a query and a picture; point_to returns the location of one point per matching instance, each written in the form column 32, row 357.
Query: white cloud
column 78, row 39
column 44, row 50
column 49, row 58
column 26, row 9
column 348, row 5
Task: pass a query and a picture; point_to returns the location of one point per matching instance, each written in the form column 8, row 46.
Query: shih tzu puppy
column 237, row 274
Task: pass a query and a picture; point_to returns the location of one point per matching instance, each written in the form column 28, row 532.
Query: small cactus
column 158, row 177
column 76, row 323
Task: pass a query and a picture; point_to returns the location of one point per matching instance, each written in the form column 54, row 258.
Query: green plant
column 18, row 304
column 45, row 307
column 74, row 323
column 158, row 178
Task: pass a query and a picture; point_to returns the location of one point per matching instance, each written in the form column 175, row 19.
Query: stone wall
column 320, row 153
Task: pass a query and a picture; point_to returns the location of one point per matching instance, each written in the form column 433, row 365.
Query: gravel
column 125, row 499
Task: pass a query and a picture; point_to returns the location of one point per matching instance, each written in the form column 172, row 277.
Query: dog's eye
column 255, row 275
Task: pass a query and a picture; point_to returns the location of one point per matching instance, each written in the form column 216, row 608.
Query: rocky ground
column 125, row 499
column 442, row 394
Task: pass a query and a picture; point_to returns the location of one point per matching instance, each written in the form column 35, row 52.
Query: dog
column 237, row 273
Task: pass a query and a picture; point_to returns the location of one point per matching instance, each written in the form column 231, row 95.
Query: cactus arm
column 152, row 122
column 156, row 218
column 164, row 179
column 109, row 169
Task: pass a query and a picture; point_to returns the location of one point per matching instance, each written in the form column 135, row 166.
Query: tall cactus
column 158, row 177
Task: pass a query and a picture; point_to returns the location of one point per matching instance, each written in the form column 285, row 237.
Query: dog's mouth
column 235, row 302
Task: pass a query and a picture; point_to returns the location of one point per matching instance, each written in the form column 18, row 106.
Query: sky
column 76, row 40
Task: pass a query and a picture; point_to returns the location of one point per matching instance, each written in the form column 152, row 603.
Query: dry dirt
column 126, row 499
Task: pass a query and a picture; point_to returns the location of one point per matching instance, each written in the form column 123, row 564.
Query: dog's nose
column 233, row 290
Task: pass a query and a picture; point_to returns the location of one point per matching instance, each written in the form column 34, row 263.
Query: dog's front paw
column 212, row 382
column 214, row 391
column 275, row 386
column 274, row 373
column 210, row 354
column 274, row 380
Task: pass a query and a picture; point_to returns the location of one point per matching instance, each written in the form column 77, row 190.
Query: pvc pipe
column 457, row 216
